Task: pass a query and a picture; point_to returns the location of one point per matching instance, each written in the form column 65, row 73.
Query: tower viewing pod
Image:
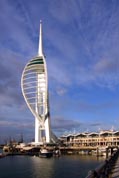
column 34, row 84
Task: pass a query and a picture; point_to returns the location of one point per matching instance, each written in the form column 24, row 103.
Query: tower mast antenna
column 40, row 48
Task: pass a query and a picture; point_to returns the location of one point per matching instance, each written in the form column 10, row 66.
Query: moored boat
column 44, row 153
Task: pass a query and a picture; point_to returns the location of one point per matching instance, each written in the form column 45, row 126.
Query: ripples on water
column 72, row 166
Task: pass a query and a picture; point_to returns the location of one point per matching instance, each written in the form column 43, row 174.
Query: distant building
column 101, row 139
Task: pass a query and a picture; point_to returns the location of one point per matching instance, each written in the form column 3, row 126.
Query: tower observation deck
column 34, row 85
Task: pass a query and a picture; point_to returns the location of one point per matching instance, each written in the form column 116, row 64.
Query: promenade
column 108, row 169
column 115, row 170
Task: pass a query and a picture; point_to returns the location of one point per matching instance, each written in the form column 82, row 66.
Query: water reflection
column 35, row 167
column 75, row 166
column 43, row 167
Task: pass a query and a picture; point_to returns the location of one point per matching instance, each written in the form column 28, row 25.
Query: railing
column 104, row 170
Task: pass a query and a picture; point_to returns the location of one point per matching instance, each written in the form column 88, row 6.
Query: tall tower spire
column 40, row 48
column 34, row 84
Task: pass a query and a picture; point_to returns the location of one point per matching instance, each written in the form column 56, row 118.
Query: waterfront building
column 34, row 84
column 94, row 139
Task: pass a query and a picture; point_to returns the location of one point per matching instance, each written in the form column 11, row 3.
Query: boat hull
column 45, row 155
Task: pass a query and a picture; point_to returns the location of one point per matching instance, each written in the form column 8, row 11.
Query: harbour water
column 66, row 166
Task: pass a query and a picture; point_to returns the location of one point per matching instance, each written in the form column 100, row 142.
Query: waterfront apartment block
column 93, row 139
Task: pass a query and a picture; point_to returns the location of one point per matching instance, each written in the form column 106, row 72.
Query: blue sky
column 81, row 44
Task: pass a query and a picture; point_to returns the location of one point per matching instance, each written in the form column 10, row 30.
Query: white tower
column 34, row 84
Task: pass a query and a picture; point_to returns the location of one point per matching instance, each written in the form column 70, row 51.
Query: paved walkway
column 115, row 170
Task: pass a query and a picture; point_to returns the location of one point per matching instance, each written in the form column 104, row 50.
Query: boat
column 44, row 153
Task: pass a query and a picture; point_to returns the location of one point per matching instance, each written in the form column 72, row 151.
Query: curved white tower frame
column 34, row 84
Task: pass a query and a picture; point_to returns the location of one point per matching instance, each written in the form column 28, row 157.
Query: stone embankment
column 109, row 169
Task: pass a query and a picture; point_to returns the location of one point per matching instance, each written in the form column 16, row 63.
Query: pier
column 15, row 148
